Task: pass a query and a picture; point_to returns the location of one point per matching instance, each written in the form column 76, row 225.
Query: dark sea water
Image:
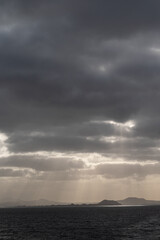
column 80, row 223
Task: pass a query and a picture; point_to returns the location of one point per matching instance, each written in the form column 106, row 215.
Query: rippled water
column 80, row 223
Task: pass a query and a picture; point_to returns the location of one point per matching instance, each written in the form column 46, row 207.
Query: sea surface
column 141, row 222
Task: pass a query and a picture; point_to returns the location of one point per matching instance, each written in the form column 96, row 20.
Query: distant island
column 138, row 201
column 130, row 201
column 102, row 203
column 108, row 202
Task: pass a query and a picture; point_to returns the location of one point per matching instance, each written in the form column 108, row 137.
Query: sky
column 79, row 99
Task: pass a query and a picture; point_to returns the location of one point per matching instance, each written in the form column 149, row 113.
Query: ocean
column 78, row 223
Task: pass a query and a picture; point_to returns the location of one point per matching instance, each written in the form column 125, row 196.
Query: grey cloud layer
column 40, row 169
column 127, row 170
column 8, row 172
column 41, row 164
column 65, row 64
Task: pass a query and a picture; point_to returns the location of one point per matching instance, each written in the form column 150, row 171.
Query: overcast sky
column 79, row 99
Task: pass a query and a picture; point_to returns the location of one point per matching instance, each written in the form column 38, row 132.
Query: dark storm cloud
column 55, row 144
column 65, row 64
column 107, row 17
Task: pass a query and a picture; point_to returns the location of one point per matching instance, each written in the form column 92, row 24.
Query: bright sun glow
column 113, row 139
column 155, row 50
column 3, row 145
column 127, row 125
